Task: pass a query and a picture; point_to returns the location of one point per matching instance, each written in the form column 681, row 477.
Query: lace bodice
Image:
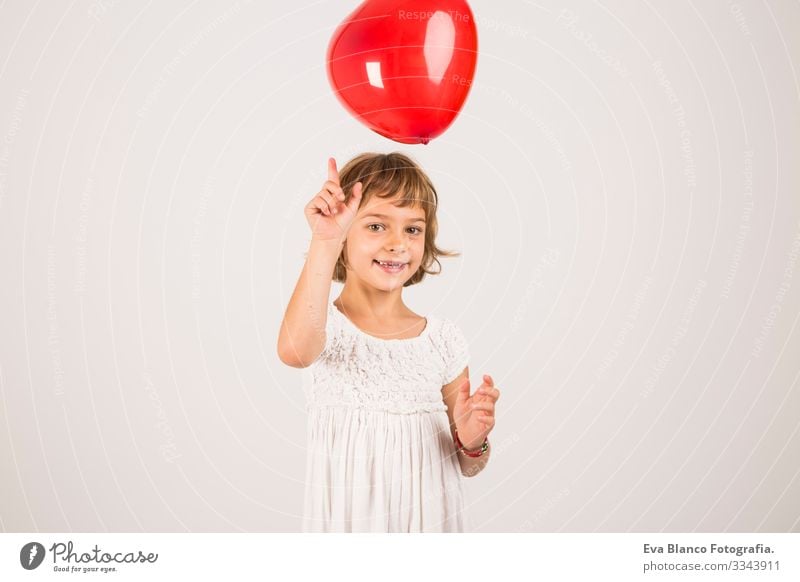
column 358, row 370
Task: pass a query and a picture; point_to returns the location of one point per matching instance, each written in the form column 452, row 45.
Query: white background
column 623, row 186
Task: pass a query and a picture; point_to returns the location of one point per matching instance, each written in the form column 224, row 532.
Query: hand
column 474, row 415
column 328, row 215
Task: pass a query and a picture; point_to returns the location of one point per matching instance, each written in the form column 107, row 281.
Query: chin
column 387, row 283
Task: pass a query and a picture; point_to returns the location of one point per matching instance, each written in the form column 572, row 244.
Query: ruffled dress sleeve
column 332, row 332
column 456, row 351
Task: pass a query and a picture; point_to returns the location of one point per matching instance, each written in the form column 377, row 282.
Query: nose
column 396, row 244
column 396, row 247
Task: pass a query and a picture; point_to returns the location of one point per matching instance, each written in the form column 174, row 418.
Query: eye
column 414, row 229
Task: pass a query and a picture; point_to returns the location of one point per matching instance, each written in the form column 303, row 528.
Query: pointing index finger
column 333, row 173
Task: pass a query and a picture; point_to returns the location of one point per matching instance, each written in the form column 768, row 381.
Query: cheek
column 358, row 245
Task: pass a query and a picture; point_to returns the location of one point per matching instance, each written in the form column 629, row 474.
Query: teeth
column 390, row 264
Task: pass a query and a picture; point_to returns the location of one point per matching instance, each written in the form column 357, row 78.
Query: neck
column 368, row 302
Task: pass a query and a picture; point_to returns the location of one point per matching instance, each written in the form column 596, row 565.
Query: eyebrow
column 384, row 216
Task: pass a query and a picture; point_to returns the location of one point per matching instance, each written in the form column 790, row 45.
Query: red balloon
column 404, row 69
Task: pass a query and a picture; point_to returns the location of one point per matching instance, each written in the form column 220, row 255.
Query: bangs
column 395, row 176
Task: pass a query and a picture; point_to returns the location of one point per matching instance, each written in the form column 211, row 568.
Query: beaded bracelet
column 476, row 453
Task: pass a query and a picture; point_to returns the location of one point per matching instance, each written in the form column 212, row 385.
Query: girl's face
column 387, row 233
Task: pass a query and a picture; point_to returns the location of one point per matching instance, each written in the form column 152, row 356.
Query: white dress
column 380, row 454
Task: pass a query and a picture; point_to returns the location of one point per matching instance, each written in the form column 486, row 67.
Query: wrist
column 327, row 242
column 330, row 249
column 469, row 448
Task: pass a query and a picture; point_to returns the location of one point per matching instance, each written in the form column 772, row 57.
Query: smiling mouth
column 390, row 266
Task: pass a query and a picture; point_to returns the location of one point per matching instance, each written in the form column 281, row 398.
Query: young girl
column 392, row 427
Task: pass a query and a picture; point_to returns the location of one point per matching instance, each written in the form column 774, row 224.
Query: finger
column 312, row 208
column 323, row 205
column 355, row 199
column 329, row 200
column 480, row 397
column 487, row 406
column 488, row 379
column 492, row 393
column 333, row 172
column 483, row 416
column 334, row 189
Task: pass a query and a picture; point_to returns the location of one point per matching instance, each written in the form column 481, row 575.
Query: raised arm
column 329, row 214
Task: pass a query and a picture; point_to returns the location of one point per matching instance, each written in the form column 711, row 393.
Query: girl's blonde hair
column 387, row 176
